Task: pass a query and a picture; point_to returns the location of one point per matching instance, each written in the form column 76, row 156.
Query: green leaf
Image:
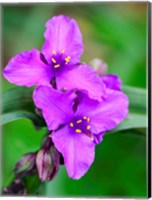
column 137, row 117
column 137, row 99
column 17, row 103
column 132, row 121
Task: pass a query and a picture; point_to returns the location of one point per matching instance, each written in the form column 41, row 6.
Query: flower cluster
column 77, row 105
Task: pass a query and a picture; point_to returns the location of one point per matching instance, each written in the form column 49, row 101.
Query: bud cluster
column 45, row 162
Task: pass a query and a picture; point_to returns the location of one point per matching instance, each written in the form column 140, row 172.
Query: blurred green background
column 115, row 33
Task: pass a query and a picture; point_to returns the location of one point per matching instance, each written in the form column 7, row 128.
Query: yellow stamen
column 54, row 52
column 84, row 117
column 79, row 121
column 71, row 124
column 88, row 127
column 78, row 131
column 53, row 60
column 88, row 119
column 67, row 59
column 62, row 51
column 56, row 66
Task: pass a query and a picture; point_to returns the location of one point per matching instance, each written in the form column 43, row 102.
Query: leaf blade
column 17, row 104
column 137, row 99
column 133, row 121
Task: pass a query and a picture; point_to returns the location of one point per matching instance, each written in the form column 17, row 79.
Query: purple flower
column 112, row 82
column 79, row 123
column 58, row 64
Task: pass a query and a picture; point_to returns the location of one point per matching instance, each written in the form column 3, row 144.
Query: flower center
column 81, row 125
column 59, row 59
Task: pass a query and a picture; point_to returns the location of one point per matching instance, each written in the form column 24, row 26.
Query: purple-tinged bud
column 99, row 65
column 48, row 162
column 38, row 112
column 55, row 155
column 15, row 188
column 61, row 160
column 26, row 165
column 46, row 141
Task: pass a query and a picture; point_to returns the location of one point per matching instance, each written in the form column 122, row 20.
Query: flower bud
column 15, row 188
column 48, row 161
column 38, row 112
column 26, row 165
column 99, row 66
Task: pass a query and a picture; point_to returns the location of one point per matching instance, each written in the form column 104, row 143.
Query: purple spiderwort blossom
column 58, row 63
column 77, row 129
column 112, row 81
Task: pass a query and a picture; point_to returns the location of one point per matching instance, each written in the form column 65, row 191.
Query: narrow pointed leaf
column 137, row 110
column 17, row 103
column 137, row 99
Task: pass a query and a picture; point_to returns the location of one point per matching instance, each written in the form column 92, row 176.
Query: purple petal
column 98, row 138
column 84, row 78
column 56, row 106
column 112, row 82
column 77, row 149
column 107, row 114
column 63, row 34
column 27, row 69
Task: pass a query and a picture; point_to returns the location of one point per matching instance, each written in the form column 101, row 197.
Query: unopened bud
column 15, row 188
column 26, row 165
column 48, row 161
column 38, row 112
column 99, row 66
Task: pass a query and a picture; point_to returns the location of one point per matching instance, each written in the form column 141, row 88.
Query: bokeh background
column 113, row 32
